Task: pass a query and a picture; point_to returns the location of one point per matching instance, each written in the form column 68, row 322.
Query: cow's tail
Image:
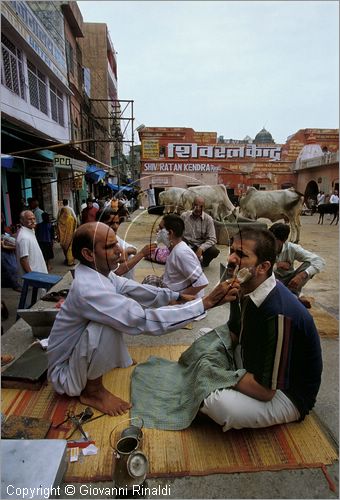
column 298, row 202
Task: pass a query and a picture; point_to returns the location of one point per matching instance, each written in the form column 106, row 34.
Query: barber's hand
column 224, row 292
column 298, row 281
column 146, row 251
column 283, row 265
column 199, row 253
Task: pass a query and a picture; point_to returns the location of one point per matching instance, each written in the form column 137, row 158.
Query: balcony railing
column 325, row 159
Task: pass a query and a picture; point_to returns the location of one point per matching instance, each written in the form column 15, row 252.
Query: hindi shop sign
column 41, row 172
column 150, row 149
column 181, row 167
column 219, row 152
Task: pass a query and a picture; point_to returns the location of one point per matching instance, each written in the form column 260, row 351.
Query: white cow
column 216, row 200
column 274, row 205
column 171, row 198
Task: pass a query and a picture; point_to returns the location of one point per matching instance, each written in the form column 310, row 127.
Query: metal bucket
column 130, row 464
column 133, row 431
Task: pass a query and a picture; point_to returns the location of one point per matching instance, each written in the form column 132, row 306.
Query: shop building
column 181, row 157
column 34, row 102
column 59, row 141
column 99, row 56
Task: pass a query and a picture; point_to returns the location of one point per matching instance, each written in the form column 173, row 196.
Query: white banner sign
column 181, row 167
column 61, row 161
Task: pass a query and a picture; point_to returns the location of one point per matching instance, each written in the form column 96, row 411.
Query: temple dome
column 264, row 137
column 309, row 150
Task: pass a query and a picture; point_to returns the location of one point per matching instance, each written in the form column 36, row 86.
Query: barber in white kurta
column 183, row 269
column 96, row 313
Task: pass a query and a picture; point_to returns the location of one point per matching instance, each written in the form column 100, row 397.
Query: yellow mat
column 327, row 325
column 199, row 450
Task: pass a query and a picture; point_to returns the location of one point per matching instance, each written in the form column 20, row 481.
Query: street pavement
column 303, row 483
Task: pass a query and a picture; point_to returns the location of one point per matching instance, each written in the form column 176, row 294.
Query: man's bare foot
column 101, row 399
column 6, row 358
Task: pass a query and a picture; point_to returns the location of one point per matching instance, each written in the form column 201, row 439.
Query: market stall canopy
column 115, row 187
column 94, row 173
column 7, row 161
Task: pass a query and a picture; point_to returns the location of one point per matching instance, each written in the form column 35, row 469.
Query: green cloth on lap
column 168, row 394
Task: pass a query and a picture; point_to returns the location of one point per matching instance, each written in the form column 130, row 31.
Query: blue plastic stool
column 36, row 281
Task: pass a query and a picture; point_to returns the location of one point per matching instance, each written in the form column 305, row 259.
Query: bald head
column 95, row 245
column 84, row 237
column 198, row 206
column 199, row 201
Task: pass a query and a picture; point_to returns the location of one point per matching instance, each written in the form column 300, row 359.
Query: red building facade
column 181, row 157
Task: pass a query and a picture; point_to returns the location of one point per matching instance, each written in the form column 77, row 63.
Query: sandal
column 55, row 296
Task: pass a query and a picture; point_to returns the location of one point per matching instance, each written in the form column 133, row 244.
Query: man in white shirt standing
column 334, row 197
column 151, row 196
column 28, row 252
column 29, row 255
column 288, row 253
column 87, row 338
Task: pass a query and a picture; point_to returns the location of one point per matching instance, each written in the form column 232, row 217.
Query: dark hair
column 105, row 214
column 65, row 202
column 280, row 231
column 81, row 239
column 89, row 200
column 174, row 222
column 45, row 217
column 265, row 244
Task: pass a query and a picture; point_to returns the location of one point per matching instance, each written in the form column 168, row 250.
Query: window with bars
column 57, row 104
column 12, row 74
column 37, row 88
column 69, row 57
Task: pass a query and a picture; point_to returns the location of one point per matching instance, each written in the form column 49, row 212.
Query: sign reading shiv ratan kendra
column 181, row 167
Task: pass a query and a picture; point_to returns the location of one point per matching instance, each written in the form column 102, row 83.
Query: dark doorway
column 15, row 195
column 311, row 193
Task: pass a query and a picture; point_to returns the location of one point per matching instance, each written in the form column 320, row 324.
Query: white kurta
column 86, row 340
column 183, row 269
column 28, row 246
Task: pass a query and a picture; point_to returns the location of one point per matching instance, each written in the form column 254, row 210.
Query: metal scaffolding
column 119, row 131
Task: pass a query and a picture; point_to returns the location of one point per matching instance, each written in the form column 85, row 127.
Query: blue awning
column 7, row 161
column 115, row 187
column 94, row 173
